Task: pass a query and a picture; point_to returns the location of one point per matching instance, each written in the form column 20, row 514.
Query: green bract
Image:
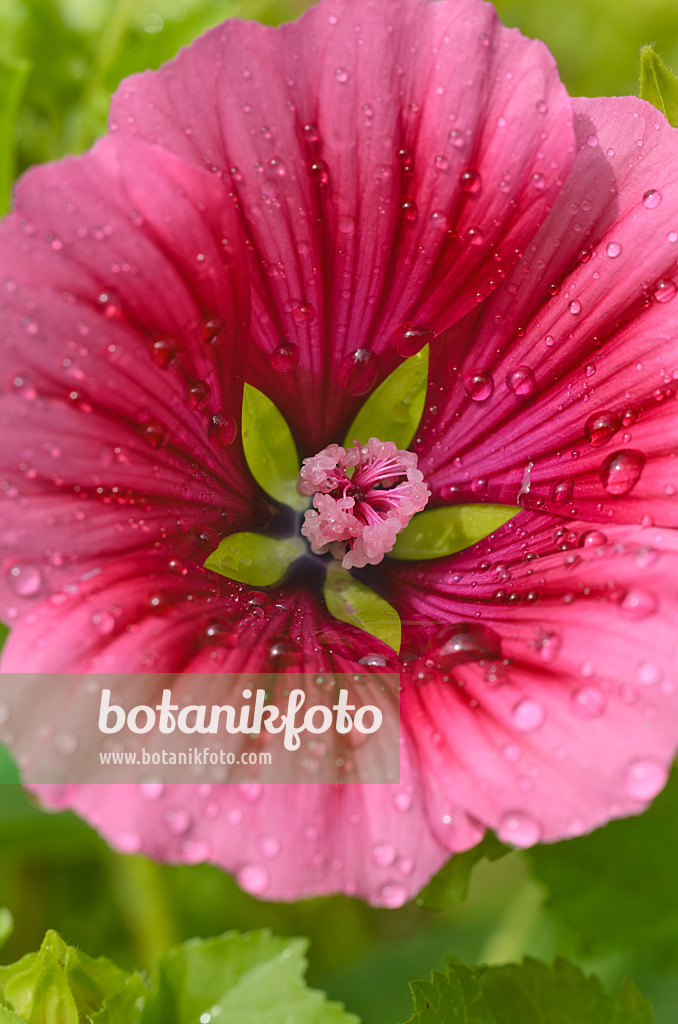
column 658, row 85
column 392, row 412
column 351, row 601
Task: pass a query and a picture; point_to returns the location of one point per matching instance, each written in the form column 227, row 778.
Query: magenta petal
column 113, row 392
column 380, row 842
column 388, row 160
column 562, row 391
column 543, row 690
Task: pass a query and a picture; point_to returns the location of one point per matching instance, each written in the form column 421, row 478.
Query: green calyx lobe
column 392, row 413
column 658, row 85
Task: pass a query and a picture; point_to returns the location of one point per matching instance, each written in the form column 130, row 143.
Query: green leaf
column 451, row 884
column 13, row 75
column 658, row 85
column 254, row 559
column 59, row 985
column 393, row 411
column 617, row 888
column 270, row 450
column 248, row 979
column 351, row 601
column 436, row 532
column 529, row 993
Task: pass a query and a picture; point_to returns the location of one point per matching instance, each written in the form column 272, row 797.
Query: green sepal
column 255, row 559
column 451, row 884
column 437, row 532
column 393, row 411
column 270, row 449
column 658, row 85
column 351, row 601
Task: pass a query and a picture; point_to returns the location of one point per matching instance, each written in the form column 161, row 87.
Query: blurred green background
column 609, row 901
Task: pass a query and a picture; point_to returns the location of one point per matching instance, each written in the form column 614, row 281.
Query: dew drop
column 178, row 820
column 664, row 290
column 470, row 181
column 518, row 829
column 592, row 539
column 285, row 357
column 478, row 385
column 393, row 895
column 319, row 173
column 154, row 432
column 521, row 380
column 637, row 604
column 384, row 855
column 341, row 75
column 210, row 328
column 303, row 313
column 621, row 471
column 575, row 307
column 222, row 430
column 588, row 702
column 198, row 394
column 253, row 878
column 408, row 339
column 358, row 372
column 164, row 350
column 652, row 199
column 561, row 492
column 645, row 777
column 128, row 842
column 600, row 427
column 24, row 580
column 528, row 715
column 613, row 249
column 649, row 673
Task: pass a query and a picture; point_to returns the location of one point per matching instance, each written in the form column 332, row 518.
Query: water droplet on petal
column 588, row 702
column 210, row 328
column 394, row 895
column 638, row 603
column 197, row 394
column 664, row 290
column 384, row 855
column 222, row 430
column 341, row 75
column 652, row 199
column 478, row 385
column 600, row 427
column 304, row 313
column 562, row 491
column 621, row 471
column 285, row 357
column 154, row 432
column 358, row 372
column 649, row 673
column 408, row 339
column 409, row 210
column 518, row 829
column 24, row 580
column 521, row 380
column 645, row 777
column 470, row 181
column 164, row 351
column 319, row 173
column 528, row 715
column 575, row 307
column 613, row 249
column 253, row 878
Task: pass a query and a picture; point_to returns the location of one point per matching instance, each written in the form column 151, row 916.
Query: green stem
column 145, row 906
column 509, row 941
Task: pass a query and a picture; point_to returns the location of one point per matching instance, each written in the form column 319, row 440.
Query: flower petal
column 561, row 393
column 382, row 842
column 388, row 160
column 118, row 413
column 542, row 693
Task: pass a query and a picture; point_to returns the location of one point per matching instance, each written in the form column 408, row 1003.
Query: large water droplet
column 408, row 339
column 528, row 715
column 164, row 350
column 652, row 199
column 358, row 372
column 645, row 777
column 613, row 249
column 470, row 180
column 222, row 430
column 521, row 380
column 303, row 313
column 664, row 290
column 519, row 829
column 600, row 427
column 24, row 580
column 588, row 702
column 253, row 878
column 621, row 471
column 464, row 642
column 384, row 855
column 285, row 357
column 638, row 603
column 478, row 385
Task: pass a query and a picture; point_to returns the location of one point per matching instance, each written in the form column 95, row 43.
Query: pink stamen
column 357, row 518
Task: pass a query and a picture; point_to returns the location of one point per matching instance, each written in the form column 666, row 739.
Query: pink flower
column 302, row 208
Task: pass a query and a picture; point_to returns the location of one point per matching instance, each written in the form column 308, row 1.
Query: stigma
column 363, row 496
